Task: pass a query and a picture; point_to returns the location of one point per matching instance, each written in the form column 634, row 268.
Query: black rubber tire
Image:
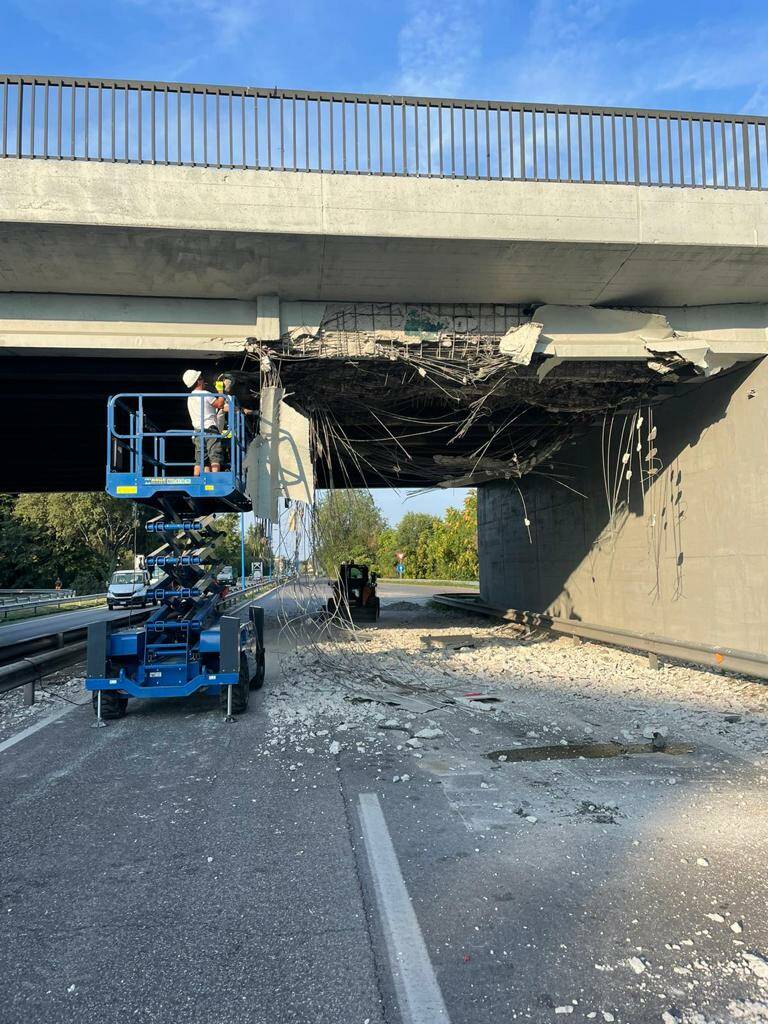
column 143, row 604
column 113, row 705
column 258, row 679
column 241, row 691
column 111, row 607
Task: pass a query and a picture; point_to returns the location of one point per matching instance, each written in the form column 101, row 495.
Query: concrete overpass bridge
column 437, row 282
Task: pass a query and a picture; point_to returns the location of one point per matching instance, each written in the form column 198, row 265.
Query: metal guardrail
column 26, row 595
column 406, row 579
column 25, row 662
column 726, row 658
column 347, row 133
column 49, row 602
column 238, row 596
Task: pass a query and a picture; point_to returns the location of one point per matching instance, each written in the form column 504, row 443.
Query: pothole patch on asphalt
column 572, row 751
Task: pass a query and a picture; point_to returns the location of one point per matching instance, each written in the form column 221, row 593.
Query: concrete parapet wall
column 687, row 559
column 209, row 199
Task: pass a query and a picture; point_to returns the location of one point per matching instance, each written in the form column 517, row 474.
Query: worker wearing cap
column 203, row 406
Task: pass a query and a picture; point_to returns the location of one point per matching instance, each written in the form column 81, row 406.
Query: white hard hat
column 191, row 377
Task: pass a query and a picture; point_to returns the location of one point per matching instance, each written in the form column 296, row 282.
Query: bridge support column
column 684, row 556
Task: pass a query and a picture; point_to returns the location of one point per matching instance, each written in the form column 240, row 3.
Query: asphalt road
column 174, row 868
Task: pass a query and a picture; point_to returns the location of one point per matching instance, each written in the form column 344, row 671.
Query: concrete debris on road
column 428, row 734
column 758, row 965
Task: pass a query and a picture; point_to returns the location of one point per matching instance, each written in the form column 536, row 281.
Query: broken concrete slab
column 588, row 332
column 519, row 343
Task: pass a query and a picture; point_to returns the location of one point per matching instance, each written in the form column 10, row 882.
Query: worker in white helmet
column 203, row 406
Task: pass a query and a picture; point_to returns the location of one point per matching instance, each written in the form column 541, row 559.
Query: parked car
column 129, row 587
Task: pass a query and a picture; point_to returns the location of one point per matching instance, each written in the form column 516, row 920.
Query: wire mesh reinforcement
column 281, row 129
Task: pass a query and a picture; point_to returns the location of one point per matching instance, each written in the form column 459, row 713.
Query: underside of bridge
column 377, row 424
column 442, row 404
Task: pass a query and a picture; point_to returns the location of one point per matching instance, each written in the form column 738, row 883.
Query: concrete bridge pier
column 682, row 554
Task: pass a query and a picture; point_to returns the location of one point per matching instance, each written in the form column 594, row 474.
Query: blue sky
column 707, row 56
column 696, row 55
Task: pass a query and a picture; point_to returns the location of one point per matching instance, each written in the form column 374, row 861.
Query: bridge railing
column 282, row 129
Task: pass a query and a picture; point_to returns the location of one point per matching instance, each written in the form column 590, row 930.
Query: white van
column 129, row 587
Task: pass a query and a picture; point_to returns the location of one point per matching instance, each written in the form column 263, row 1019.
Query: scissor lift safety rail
column 186, row 645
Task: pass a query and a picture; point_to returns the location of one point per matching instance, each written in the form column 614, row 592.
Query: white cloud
column 439, row 47
column 216, row 24
column 599, row 52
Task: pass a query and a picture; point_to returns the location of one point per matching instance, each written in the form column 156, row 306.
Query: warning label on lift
column 168, row 480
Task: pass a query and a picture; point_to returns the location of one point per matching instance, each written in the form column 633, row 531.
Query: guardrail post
column 29, row 694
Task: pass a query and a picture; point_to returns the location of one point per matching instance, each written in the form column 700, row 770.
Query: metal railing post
column 747, row 156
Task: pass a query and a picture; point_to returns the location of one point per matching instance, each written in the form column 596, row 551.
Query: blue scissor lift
column 187, row 644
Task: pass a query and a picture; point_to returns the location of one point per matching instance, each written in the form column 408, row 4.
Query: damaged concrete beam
column 592, row 333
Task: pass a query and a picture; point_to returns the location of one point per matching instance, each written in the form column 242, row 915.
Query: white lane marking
column 418, row 993
column 54, row 717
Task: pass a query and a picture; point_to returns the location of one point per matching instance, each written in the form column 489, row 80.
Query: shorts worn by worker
column 214, row 448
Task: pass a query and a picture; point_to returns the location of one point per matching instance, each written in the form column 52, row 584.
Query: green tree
column 348, row 527
column 448, row 548
column 411, row 528
column 91, row 534
column 386, row 552
column 27, row 555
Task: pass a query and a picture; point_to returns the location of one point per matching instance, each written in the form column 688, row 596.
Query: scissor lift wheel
column 258, row 677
